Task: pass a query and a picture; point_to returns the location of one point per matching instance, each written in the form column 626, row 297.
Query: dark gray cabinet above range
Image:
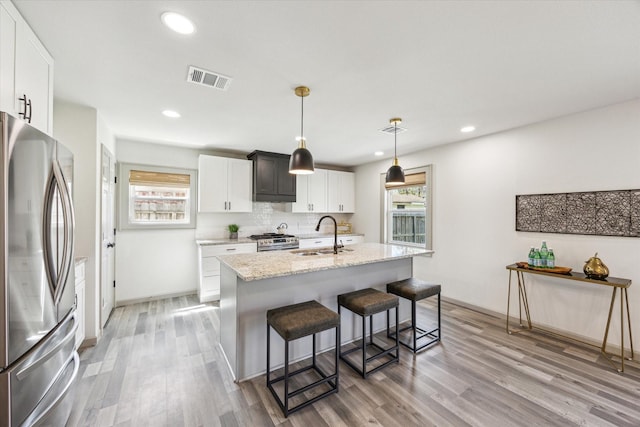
column 272, row 181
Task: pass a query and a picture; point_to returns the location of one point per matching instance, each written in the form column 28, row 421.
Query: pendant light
column 395, row 174
column 301, row 162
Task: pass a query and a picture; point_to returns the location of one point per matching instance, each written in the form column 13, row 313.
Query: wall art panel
column 602, row 213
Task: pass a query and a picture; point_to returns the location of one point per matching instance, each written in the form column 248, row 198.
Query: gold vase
column 595, row 268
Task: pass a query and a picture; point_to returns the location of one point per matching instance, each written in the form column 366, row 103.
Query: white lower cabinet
column 321, row 242
column 350, row 239
column 80, row 302
column 209, row 267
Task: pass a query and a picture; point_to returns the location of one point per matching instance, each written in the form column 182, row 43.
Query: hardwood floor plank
column 159, row 364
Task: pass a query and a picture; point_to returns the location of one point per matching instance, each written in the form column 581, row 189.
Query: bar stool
column 414, row 290
column 366, row 303
column 296, row 321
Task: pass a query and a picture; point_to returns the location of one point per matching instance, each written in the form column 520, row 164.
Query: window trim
column 427, row 170
column 124, row 199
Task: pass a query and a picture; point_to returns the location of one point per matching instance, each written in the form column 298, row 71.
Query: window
column 408, row 210
column 156, row 197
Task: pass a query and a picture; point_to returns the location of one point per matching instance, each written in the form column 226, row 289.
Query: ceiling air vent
column 390, row 129
column 208, row 78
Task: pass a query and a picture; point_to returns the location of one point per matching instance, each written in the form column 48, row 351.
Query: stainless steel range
column 275, row 241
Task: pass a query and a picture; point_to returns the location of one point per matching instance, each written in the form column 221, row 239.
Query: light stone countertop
column 264, row 265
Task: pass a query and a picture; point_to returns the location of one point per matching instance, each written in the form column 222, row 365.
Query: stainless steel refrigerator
column 38, row 359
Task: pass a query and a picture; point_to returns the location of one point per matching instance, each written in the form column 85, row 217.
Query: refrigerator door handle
column 69, row 225
column 57, row 278
column 49, row 264
column 20, row 375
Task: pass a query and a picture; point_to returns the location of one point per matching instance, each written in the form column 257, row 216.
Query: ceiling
column 439, row 65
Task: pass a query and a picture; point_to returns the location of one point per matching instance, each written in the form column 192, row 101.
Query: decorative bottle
column 551, row 259
column 532, row 251
column 537, row 262
column 544, row 253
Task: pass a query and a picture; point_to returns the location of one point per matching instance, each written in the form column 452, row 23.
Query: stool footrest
column 420, row 334
column 331, row 380
column 333, row 389
column 382, row 352
column 325, row 379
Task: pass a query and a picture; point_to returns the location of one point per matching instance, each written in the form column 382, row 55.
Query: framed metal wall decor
column 600, row 213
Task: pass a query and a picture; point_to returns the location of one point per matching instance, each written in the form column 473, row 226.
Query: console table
column 614, row 282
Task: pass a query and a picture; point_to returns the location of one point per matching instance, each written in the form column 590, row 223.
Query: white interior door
column 107, row 263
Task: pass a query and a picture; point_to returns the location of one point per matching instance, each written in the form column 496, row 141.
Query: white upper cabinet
column 26, row 71
column 311, row 192
column 340, row 191
column 224, row 184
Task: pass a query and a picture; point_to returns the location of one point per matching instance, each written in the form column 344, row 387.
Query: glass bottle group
column 542, row 258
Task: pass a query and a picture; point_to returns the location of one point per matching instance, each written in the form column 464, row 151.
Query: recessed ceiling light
column 178, row 23
column 378, row 153
column 467, row 129
column 172, row 114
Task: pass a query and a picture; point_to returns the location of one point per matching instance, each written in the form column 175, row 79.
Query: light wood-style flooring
column 158, row 364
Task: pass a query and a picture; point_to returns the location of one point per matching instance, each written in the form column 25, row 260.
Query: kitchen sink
column 323, row 251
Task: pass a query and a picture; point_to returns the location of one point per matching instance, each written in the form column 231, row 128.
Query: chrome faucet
column 335, row 232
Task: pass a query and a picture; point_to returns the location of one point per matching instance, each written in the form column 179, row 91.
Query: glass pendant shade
column 301, row 161
column 395, row 174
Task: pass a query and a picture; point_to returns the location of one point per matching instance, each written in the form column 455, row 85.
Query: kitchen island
column 251, row 284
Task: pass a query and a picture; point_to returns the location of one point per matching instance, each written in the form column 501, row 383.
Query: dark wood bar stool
column 366, row 303
column 414, row 290
column 296, row 321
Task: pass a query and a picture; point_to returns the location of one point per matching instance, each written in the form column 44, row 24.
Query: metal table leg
column 624, row 302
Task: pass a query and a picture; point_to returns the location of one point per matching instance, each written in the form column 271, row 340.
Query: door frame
column 106, row 155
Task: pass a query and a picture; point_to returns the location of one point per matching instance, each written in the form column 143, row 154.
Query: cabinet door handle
column 225, row 206
column 25, row 108
column 26, row 102
column 229, row 205
column 231, row 249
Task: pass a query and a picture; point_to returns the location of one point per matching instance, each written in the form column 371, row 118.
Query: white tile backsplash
column 265, row 218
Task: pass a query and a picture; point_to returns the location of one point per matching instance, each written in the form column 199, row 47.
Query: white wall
column 474, row 188
column 155, row 263
column 76, row 127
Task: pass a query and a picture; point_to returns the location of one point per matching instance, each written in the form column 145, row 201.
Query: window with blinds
column 408, row 210
column 157, row 197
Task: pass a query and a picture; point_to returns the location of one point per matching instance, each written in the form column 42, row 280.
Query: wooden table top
column 581, row 277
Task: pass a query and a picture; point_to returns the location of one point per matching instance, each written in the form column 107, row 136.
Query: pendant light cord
column 302, row 119
column 395, row 140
